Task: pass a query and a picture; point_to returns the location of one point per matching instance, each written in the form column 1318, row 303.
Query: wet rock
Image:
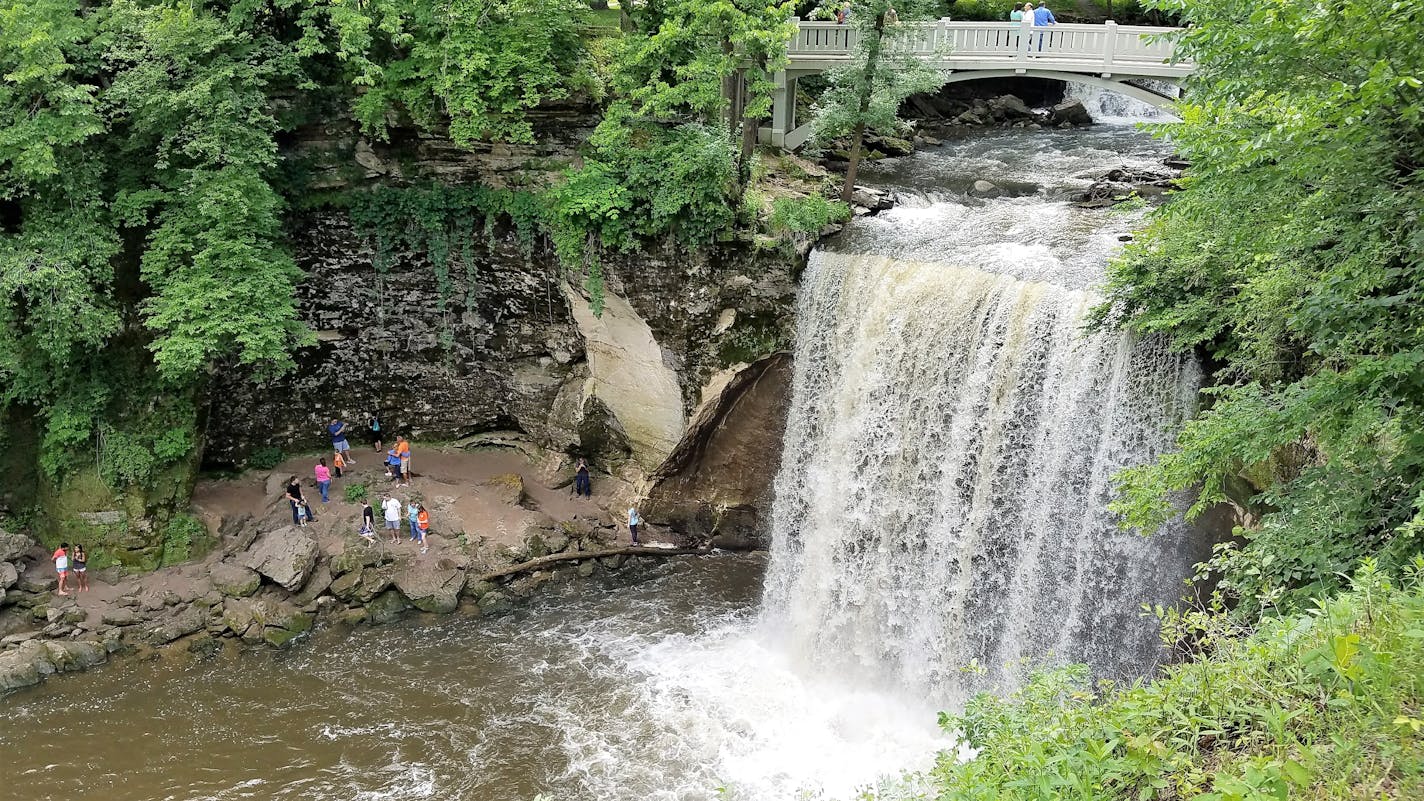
column 479, row 589
column 1009, row 107
column 235, row 580
column 586, row 568
column 1071, row 112
column 185, row 622
column 345, row 585
column 385, row 607
column 18, row 669
column 71, row 656
column 285, row 556
column 286, row 629
column 986, row 189
column 494, row 602
column 431, row 585
column 128, row 601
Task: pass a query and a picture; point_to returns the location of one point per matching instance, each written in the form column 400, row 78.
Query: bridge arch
column 1122, row 87
column 1107, row 56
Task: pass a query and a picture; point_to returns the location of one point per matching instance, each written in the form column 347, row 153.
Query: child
column 392, row 465
column 61, row 565
column 423, row 520
column 338, row 464
column 81, row 570
column 303, row 514
column 412, row 515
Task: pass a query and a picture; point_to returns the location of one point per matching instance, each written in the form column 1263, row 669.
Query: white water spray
column 947, row 465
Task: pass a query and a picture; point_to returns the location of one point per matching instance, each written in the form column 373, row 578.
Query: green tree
column 1295, row 262
column 865, row 94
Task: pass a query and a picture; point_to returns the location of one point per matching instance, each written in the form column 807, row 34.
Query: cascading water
column 1115, row 108
column 947, row 466
column 954, row 432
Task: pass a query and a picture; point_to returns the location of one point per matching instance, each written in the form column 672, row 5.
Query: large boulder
column 18, row 668
column 285, row 556
column 13, row 546
column 38, row 580
column 385, row 607
column 185, row 622
column 264, row 620
column 235, row 580
column 431, row 585
column 9, row 576
column 1071, row 112
column 1010, row 107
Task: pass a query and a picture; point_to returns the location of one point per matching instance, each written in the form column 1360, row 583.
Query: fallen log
column 579, row 556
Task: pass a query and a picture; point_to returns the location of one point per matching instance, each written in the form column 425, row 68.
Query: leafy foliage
column 1323, row 704
column 1295, row 261
column 806, row 215
column 866, row 92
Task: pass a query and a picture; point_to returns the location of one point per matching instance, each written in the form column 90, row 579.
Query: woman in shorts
column 81, row 570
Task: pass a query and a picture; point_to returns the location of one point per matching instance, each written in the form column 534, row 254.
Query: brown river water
column 655, row 685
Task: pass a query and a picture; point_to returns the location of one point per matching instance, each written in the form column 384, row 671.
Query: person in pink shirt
column 323, row 479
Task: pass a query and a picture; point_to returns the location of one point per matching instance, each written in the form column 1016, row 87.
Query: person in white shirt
column 392, row 509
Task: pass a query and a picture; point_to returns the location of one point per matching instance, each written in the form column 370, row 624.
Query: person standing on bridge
column 1017, row 14
column 1042, row 18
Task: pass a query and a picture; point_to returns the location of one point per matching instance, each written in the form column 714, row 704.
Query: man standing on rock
column 633, row 522
column 337, row 429
column 294, row 497
column 582, row 485
column 392, row 509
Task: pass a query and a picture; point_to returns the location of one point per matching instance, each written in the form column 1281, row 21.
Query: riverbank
column 504, row 520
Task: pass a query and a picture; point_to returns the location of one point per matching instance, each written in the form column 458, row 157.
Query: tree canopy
column 1295, row 262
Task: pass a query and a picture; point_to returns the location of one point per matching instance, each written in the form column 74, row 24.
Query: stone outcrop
column 431, row 585
column 285, row 557
column 718, row 484
column 235, row 580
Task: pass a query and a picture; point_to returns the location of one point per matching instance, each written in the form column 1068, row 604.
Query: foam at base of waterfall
column 946, row 470
column 729, row 701
column 1113, row 108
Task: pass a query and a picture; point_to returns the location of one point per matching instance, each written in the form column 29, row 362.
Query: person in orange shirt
column 338, row 464
column 403, row 451
column 61, row 565
column 422, row 520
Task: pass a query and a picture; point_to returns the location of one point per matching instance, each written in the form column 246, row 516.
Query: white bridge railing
column 1105, row 48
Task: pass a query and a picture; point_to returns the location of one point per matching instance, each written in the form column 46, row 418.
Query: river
column 942, row 506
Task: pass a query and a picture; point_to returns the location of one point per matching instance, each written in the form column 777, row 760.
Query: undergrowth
column 1323, row 705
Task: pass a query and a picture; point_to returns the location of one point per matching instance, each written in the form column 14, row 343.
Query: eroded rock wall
column 503, row 339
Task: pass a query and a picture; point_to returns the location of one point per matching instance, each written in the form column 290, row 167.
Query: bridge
column 1110, row 56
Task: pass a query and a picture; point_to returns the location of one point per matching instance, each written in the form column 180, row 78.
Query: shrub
column 356, row 493
column 806, row 216
column 1323, row 705
column 180, row 536
column 266, row 458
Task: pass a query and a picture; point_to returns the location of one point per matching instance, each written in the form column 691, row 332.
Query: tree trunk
column 867, row 89
column 580, row 556
column 856, row 141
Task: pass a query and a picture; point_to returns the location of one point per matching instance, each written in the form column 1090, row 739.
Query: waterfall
column 1114, row 108
column 948, row 460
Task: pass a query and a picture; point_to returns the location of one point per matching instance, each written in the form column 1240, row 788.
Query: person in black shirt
column 294, row 497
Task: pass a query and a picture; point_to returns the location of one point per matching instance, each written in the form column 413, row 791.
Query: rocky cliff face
column 501, row 341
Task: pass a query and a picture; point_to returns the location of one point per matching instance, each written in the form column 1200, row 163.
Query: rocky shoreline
column 268, row 582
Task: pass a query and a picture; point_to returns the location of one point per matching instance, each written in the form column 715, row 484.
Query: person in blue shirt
column 337, row 429
column 1042, row 18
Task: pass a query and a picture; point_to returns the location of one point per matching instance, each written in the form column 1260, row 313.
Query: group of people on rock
column 76, row 563
column 397, row 464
